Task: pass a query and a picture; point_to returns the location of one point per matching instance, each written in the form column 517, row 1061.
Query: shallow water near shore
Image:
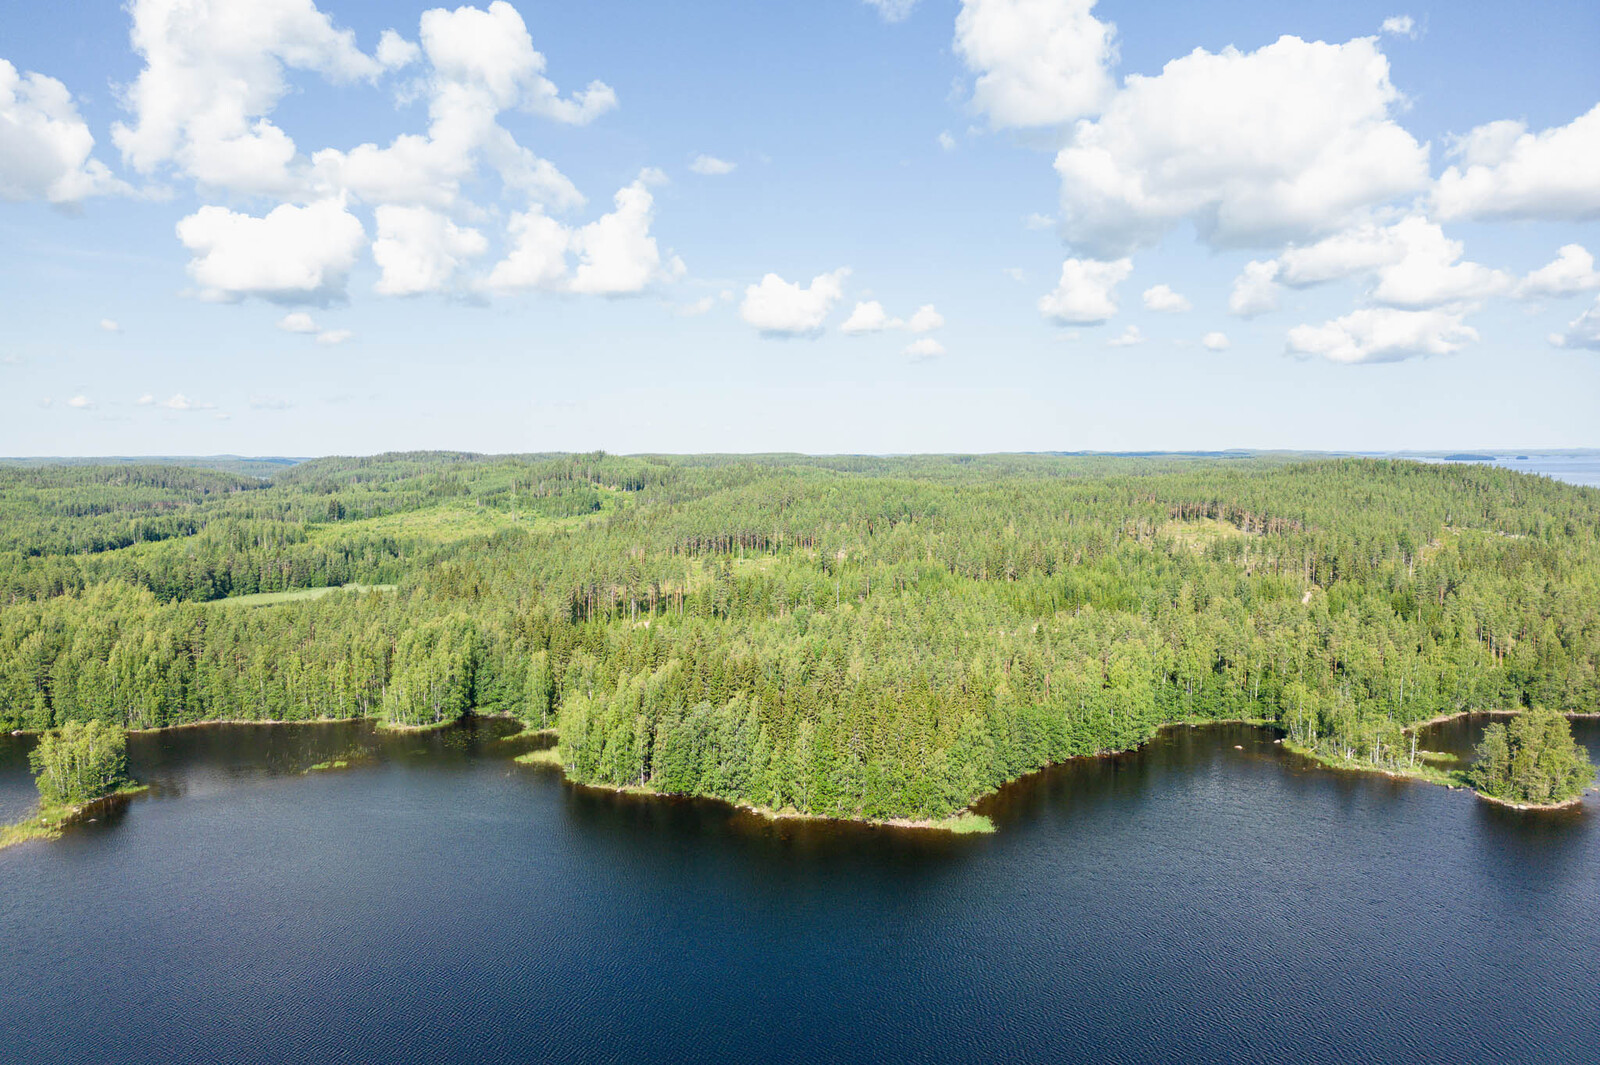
column 434, row 901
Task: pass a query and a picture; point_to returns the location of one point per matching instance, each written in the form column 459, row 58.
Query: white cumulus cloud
column 1162, row 298
column 1254, row 148
column 1412, row 262
column 923, row 350
column 1215, row 342
column 480, row 63
column 1382, row 334
column 1038, row 62
column 1255, row 290
column 110, row 325
column 212, row 73
column 1503, row 171
column 297, row 322
column 44, row 145
column 1571, row 272
column 330, row 337
column 868, row 317
column 292, row 255
column 1086, row 293
column 79, row 402
column 616, row 253
column 419, row 250
column 785, row 308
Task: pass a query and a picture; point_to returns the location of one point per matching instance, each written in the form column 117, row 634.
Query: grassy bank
column 962, row 823
column 50, row 821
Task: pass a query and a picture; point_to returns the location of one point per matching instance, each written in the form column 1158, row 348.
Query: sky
column 302, row 227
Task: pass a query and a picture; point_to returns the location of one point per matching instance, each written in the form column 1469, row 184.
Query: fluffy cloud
column 1086, row 293
column 783, row 308
column 1506, row 172
column 1572, row 272
column 1415, row 265
column 212, row 72
column 1382, row 334
column 78, row 403
column 538, row 256
column 1215, row 342
column 925, row 319
column 1400, row 26
column 44, row 145
column 1428, row 272
column 297, row 322
column 330, row 337
column 1255, row 290
column 870, row 317
column 292, row 255
column 491, row 51
column 1162, row 298
column 923, row 350
column 110, row 325
column 711, row 166
column 616, row 253
column 481, row 62
column 419, row 250
column 1127, row 338
column 1583, row 332
column 1039, row 62
column 1287, row 142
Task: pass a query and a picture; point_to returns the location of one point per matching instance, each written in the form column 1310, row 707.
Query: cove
column 434, row 901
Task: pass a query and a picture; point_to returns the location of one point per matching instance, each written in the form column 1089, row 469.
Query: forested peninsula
column 855, row 637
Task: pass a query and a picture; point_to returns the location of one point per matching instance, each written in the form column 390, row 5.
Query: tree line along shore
column 853, row 637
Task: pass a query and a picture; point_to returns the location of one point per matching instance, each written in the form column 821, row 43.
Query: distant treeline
column 854, row 636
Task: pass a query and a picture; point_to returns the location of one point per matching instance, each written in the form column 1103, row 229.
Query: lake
column 1581, row 468
column 1207, row 898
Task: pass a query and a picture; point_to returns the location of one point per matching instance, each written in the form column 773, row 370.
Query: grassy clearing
column 546, row 756
column 452, row 522
column 269, row 598
column 1199, row 534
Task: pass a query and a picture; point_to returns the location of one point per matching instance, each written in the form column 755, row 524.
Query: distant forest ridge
column 850, row 635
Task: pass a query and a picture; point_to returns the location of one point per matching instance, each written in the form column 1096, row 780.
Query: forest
column 847, row 636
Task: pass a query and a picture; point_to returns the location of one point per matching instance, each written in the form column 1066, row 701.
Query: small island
column 75, row 767
column 1531, row 764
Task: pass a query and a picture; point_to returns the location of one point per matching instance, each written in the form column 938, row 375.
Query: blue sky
column 918, row 226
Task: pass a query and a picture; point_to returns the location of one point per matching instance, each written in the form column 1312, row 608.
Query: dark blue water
column 1190, row 902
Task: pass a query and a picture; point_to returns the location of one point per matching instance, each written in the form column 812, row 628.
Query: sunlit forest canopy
column 849, row 635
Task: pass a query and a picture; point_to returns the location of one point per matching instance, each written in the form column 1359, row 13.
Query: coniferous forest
column 850, row 636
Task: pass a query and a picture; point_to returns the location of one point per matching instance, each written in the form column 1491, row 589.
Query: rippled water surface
column 1206, row 899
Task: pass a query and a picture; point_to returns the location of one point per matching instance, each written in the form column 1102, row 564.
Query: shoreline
column 963, row 823
column 1451, row 780
column 1581, row 715
column 48, row 823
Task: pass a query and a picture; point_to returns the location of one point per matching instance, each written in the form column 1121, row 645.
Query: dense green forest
column 853, row 636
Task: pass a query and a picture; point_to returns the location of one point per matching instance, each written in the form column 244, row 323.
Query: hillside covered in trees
column 859, row 637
